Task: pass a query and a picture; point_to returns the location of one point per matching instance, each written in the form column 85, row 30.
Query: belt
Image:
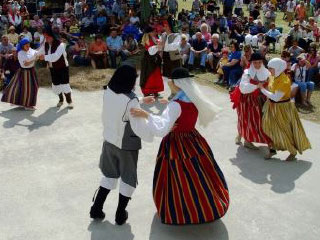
column 283, row 101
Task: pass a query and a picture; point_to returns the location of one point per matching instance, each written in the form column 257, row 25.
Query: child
column 223, row 61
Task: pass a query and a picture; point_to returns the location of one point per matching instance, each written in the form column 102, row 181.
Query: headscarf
column 207, row 110
column 278, row 65
column 22, row 42
column 261, row 74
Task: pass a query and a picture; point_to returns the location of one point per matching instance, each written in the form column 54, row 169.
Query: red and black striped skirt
column 188, row 185
column 249, row 111
column 22, row 89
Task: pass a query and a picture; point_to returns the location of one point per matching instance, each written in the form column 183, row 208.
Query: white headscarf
column 262, row 73
column 207, row 110
column 278, row 65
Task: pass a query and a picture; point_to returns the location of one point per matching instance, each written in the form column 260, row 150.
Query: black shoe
column 96, row 209
column 96, row 213
column 121, row 217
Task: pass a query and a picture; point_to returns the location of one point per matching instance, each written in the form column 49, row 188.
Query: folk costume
column 171, row 56
column 122, row 142
column 281, row 120
column 248, row 101
column 56, row 56
column 151, row 81
column 23, row 87
column 188, row 185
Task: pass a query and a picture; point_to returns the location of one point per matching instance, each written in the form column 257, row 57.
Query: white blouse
column 174, row 45
column 160, row 126
column 30, row 55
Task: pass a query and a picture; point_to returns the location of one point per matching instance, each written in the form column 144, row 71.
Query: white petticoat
column 61, row 88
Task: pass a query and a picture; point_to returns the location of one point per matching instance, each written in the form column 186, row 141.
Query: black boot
column 122, row 214
column 96, row 209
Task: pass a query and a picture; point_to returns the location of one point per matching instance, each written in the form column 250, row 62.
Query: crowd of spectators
column 216, row 36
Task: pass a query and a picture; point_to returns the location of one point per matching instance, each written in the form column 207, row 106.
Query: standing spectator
column 214, row 52
column 115, row 46
column 15, row 19
column 228, row 7
column 98, row 52
column 301, row 11
column 12, row 35
column 78, row 9
column 238, row 5
column 198, row 49
column 184, row 49
column 196, row 5
column 291, row 5
column 173, row 7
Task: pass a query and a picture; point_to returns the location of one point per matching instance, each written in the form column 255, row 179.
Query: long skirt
column 168, row 65
column 22, row 89
column 250, row 118
column 282, row 124
column 188, row 185
column 154, row 83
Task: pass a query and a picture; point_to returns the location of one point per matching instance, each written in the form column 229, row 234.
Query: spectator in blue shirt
column 115, row 46
column 198, row 49
column 101, row 23
column 272, row 35
column 232, row 71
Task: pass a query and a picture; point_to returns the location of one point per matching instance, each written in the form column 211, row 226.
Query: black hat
column 256, row 57
column 180, row 72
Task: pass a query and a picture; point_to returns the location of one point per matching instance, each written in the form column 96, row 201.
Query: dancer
column 151, row 81
column 188, row 185
column 281, row 120
column 122, row 142
column 250, row 102
column 23, row 88
column 56, row 56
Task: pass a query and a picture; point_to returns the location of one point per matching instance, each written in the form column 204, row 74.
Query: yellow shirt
column 281, row 83
column 13, row 38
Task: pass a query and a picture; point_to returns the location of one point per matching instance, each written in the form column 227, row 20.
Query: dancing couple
column 188, row 185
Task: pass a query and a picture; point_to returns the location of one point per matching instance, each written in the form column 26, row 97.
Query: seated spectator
column 81, row 52
column 205, row 32
column 272, row 35
column 308, row 36
column 115, row 46
column 238, row 5
column 26, row 34
column 101, row 23
column 27, row 22
column 87, row 25
column 224, row 30
column 184, row 49
column 130, row 46
column 256, row 33
column 295, row 34
column 222, row 62
column 184, row 31
column 256, row 13
column 23, row 10
column 74, row 29
column 306, row 87
column 6, row 49
column 38, row 37
column 301, row 11
column 237, row 31
column 134, row 19
column 246, row 56
column 130, row 29
column 98, row 53
column 295, row 51
column 270, row 16
column 36, row 22
column 12, row 35
column 232, row 71
column 214, row 52
column 315, row 29
column 3, row 23
column 10, row 66
column 314, row 59
column 56, row 21
column 198, row 49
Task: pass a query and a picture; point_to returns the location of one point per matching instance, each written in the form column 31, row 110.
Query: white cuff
column 109, row 183
column 125, row 189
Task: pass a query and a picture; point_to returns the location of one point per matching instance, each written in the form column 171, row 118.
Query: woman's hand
column 163, row 101
column 148, row 100
column 260, row 85
column 139, row 113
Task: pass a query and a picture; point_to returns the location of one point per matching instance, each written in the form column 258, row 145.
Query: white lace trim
column 109, row 183
column 126, row 189
column 62, row 88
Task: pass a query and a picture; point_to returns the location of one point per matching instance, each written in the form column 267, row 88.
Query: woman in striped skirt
column 250, row 102
column 188, row 185
column 281, row 121
column 23, row 88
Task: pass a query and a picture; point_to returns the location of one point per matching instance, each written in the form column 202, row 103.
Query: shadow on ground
column 281, row 175
column 216, row 230
column 107, row 231
column 16, row 115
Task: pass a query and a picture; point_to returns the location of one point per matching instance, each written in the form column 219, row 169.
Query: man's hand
column 41, row 57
